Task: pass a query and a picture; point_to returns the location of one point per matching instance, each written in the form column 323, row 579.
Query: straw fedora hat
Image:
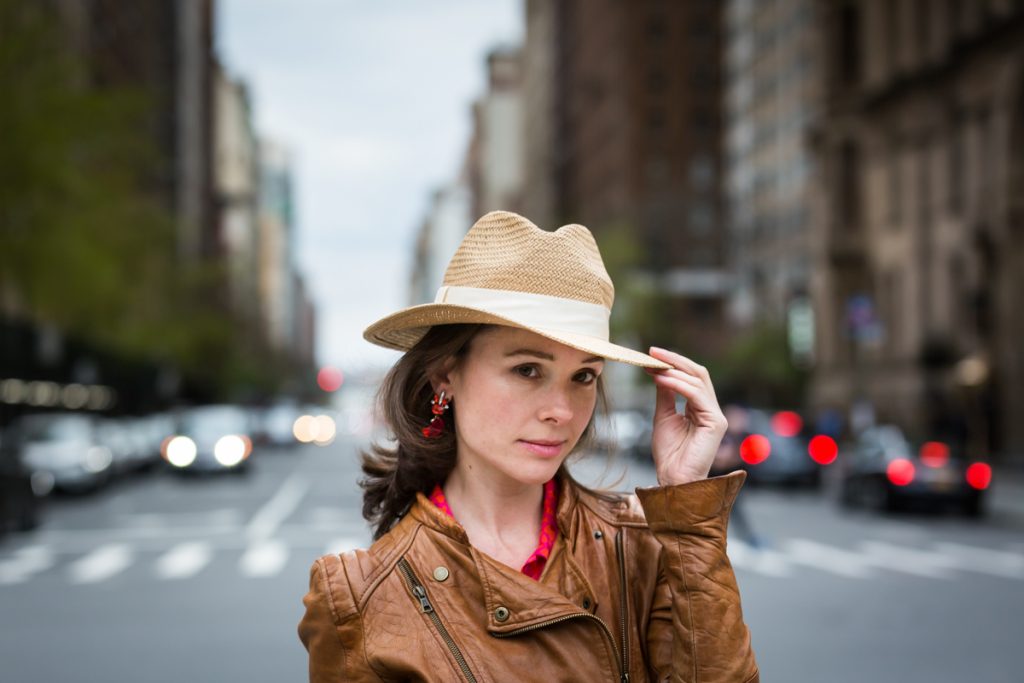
column 507, row 271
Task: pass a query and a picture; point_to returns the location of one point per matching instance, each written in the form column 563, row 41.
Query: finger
column 688, row 387
column 699, row 401
column 679, row 361
column 664, row 402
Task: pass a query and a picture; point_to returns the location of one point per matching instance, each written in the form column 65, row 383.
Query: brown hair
column 415, row 464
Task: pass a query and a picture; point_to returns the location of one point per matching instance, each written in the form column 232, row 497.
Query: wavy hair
column 395, row 473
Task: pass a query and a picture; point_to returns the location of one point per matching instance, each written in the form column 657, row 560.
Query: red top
column 548, row 527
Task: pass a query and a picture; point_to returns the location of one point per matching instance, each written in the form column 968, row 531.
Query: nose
column 556, row 406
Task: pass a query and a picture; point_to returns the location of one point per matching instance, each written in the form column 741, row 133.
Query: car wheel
column 972, row 507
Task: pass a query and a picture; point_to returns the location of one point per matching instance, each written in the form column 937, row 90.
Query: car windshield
column 214, row 421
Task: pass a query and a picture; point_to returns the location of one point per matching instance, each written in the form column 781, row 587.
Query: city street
column 163, row 579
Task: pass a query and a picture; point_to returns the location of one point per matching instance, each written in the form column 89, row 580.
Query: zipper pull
column 422, row 596
column 624, row 678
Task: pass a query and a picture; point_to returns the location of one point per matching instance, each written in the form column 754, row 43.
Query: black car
column 21, row 491
column 777, row 447
column 885, row 470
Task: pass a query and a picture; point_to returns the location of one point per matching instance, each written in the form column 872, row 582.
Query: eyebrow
column 547, row 356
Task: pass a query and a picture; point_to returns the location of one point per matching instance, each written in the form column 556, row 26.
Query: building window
column 848, row 199
column 957, row 158
column 848, row 45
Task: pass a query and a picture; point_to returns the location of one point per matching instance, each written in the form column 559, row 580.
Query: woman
column 489, row 562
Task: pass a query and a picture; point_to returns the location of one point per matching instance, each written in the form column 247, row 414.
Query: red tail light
column 979, row 475
column 823, row 449
column 787, row 423
column 755, row 449
column 934, row 454
column 900, row 472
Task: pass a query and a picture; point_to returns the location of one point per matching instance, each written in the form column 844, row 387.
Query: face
column 523, row 401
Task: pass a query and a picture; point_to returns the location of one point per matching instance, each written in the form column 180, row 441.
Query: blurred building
column 304, row 320
column 625, row 101
column 448, row 219
column 276, row 244
column 772, row 95
column 919, row 226
column 164, row 47
column 236, row 178
column 494, row 159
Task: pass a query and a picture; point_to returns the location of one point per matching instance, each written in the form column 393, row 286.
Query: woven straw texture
column 505, row 251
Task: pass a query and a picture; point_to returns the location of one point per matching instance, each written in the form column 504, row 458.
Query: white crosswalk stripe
column 340, row 545
column 263, row 558
column 767, row 562
column 100, row 564
column 984, row 560
column 828, row 558
column 25, row 563
column 183, row 561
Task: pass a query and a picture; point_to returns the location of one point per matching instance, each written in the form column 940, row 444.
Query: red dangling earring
column 438, row 405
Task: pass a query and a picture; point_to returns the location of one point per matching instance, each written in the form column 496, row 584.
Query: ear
column 442, row 377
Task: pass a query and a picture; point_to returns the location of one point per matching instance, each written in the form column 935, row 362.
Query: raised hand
column 684, row 444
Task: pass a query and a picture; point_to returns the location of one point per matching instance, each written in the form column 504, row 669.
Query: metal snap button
column 586, row 603
column 441, row 573
column 501, row 614
column 598, row 535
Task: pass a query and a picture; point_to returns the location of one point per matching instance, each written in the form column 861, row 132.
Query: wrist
column 677, row 476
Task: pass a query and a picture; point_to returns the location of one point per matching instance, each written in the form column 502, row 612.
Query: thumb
column 665, row 403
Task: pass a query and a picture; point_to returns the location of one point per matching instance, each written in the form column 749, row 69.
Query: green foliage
column 641, row 308
column 87, row 241
column 757, row 369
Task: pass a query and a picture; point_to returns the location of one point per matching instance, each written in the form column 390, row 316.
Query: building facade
column 772, row 96
column 626, row 101
column 919, row 223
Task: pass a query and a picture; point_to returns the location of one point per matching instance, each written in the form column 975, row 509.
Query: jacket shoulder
column 359, row 572
column 616, row 509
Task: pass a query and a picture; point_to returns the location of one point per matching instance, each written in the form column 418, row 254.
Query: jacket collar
column 562, row 589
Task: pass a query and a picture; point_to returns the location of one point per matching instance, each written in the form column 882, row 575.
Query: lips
column 543, row 447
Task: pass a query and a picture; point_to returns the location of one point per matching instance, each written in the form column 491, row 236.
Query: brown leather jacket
column 627, row 594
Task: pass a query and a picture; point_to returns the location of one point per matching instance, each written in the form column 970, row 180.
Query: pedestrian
column 727, row 459
column 489, row 561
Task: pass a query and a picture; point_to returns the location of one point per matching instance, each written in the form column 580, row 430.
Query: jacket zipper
column 620, row 553
column 421, row 594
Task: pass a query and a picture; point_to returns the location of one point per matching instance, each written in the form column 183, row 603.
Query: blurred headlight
column 180, row 451
column 304, row 428
column 230, row 450
column 97, row 459
column 325, row 430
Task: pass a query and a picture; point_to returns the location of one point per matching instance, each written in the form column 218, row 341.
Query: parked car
column 885, row 470
column 66, row 446
column 22, row 490
column 209, row 439
column 624, row 431
column 777, row 447
column 275, row 425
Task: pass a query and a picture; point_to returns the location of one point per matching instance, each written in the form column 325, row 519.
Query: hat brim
column 402, row 330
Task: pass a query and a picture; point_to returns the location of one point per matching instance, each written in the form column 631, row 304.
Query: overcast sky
column 373, row 98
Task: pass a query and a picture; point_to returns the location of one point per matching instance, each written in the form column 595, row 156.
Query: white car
column 67, row 446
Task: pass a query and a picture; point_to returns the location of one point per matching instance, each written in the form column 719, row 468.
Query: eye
column 528, row 371
column 586, row 376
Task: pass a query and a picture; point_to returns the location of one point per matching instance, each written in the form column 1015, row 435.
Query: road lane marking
column 25, row 563
column 265, row 522
column 263, row 558
column 984, row 560
column 917, row 562
column 762, row 561
column 828, row 558
column 100, row 564
column 338, row 546
column 183, row 561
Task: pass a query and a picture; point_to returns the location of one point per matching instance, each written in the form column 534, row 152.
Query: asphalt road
column 162, row 579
